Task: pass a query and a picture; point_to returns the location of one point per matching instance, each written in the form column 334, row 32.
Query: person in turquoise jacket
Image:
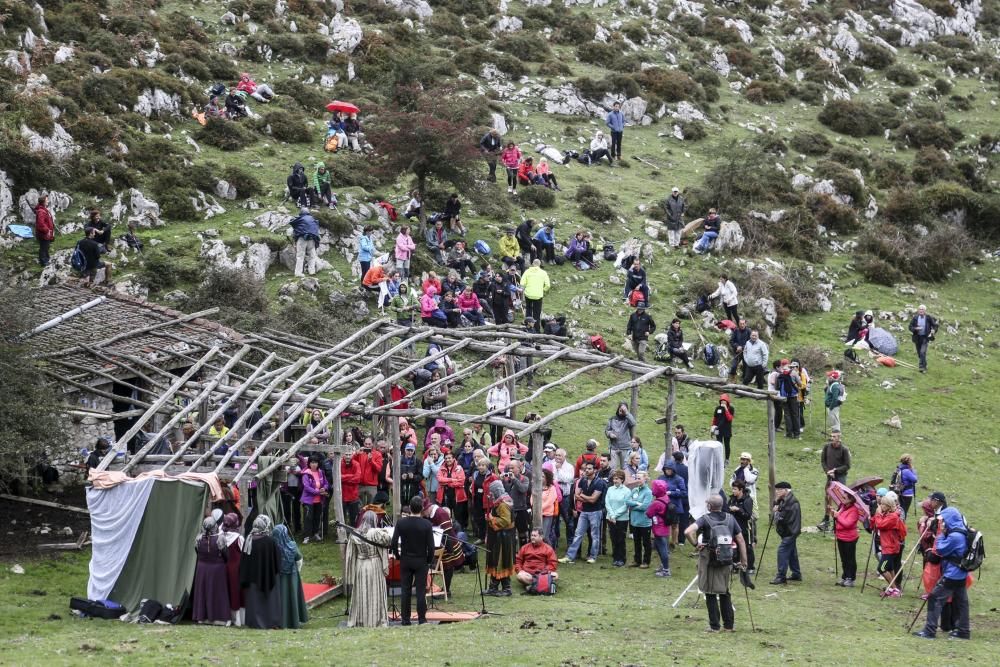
column 616, row 513
column 638, row 501
column 366, row 250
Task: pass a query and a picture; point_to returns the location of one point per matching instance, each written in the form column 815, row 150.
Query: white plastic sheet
column 706, row 474
column 115, row 515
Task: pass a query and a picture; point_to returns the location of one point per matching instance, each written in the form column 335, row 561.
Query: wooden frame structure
column 293, row 374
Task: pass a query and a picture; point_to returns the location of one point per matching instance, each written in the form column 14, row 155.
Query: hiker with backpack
column 635, row 279
column 953, row 548
column 305, row 232
column 787, row 519
column 45, row 229
column 662, row 515
column 904, row 483
column 833, row 398
column 787, row 384
column 86, row 258
column 103, row 228
column 741, row 506
column 720, row 546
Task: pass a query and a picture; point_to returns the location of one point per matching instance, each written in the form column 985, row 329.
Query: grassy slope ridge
column 619, row 617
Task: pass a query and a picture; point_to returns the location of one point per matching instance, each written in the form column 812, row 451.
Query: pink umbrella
column 839, row 493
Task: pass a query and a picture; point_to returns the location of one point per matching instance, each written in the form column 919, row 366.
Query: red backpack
column 597, row 342
column 635, row 297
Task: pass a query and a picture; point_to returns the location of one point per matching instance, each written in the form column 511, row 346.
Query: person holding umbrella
column 845, row 530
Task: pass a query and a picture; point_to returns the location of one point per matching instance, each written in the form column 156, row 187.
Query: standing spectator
column 833, row 398
column 737, row 341
column 525, row 236
column 746, row 473
column 891, row 534
column 350, row 483
column 722, row 422
column 371, row 466
column 437, row 241
column 497, row 402
column 501, row 300
column 589, row 456
column 403, row 305
column 544, row 171
column 836, row 461
column 404, row 250
column 506, row 449
column 501, row 547
column 713, row 577
column 640, row 327
column 619, row 430
column 845, row 530
column 677, row 491
column 535, row 283
column 636, row 448
column 451, row 489
column 904, row 483
column 511, row 158
column 305, row 232
column 452, row 213
column 414, row 207
column 550, row 505
column 410, row 473
column 314, row 489
column 730, row 297
column 616, row 123
column 321, row 186
column 210, row 591
column 544, row 243
column 616, row 514
column 297, row 184
column 788, row 389
column 518, row 487
column 710, row 232
column 788, row 525
column 675, row 343
column 432, row 465
column 92, row 263
column 951, row 545
column 366, row 249
column 565, row 474
column 259, row 567
column 479, row 488
column 772, row 386
column 490, row 146
column 674, row 207
column 638, row 501
column 45, row 229
column 804, row 381
column 589, row 497
column 599, row 149
column 663, row 521
column 741, row 507
column 923, row 327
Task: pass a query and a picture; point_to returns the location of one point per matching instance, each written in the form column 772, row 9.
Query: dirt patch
column 24, row 526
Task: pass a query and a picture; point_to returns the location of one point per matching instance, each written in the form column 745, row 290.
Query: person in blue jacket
column 677, row 490
column 366, row 249
column 545, row 243
column 951, row 546
column 616, row 123
column 905, row 483
column 305, row 231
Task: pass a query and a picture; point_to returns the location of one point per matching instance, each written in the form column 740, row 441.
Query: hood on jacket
column 430, row 291
column 952, row 519
column 298, row 167
column 510, row 433
column 440, row 423
column 725, row 397
column 928, row 509
column 659, row 488
column 670, row 465
column 321, row 165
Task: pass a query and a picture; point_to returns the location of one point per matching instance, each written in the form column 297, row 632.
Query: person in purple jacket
column 904, row 483
column 315, row 488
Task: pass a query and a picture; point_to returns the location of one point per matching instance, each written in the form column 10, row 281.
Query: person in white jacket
column 599, row 149
column 730, row 297
column 498, row 398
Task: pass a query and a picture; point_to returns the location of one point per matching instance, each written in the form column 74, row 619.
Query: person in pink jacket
column 506, row 448
column 659, row 512
column 404, row 251
column 429, row 311
column 511, row 159
column 469, row 304
column 845, row 529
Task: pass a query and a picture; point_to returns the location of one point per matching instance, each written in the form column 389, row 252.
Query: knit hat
column 782, row 485
column 881, row 491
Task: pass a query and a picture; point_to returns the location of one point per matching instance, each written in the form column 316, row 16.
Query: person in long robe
column 211, row 589
column 259, row 576
column 500, row 541
column 365, row 570
column 293, row 599
column 440, row 518
column 234, row 550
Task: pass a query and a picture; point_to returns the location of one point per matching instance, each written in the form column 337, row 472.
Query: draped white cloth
column 706, row 474
column 115, row 515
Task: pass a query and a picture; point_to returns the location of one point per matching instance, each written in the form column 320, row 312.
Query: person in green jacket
column 642, row 526
column 833, row 398
column 322, row 185
column 535, row 283
column 403, row 305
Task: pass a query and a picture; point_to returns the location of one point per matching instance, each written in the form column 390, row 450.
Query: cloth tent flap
column 706, row 474
column 115, row 515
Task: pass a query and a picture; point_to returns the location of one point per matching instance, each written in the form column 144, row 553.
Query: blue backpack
column 77, row 260
column 481, row 247
column 711, row 356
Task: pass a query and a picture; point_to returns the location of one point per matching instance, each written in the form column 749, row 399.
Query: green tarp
column 161, row 562
column 268, row 496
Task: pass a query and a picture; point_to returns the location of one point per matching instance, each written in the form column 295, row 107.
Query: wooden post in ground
column 771, row 453
column 536, row 480
column 397, row 461
column 634, row 403
column 668, row 417
column 338, row 491
column 511, row 384
column 244, row 487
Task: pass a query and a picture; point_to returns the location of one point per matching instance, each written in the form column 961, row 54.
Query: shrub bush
column 669, row 85
column 835, row 217
column 900, row 98
column 596, row 53
column 854, row 118
column 587, row 192
column 890, row 173
column 795, row 233
column 149, row 154
column 592, row 204
column 902, row 75
column 334, row 222
column 576, row 29
column 878, row 271
column 162, row 270
column 762, row 92
column 240, row 297
column 693, row 131
column 246, row 184
column 227, row 135
column 536, row 197
column 527, row 47
column 903, row 207
column 811, row 143
column 809, row 92
column 306, row 96
column 554, row 68
column 876, row 56
column 843, row 179
column 931, row 164
column 852, row 158
column 922, row 133
column 944, row 249
column 287, row 126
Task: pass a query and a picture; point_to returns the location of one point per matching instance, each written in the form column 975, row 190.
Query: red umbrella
column 840, row 493
column 345, row 107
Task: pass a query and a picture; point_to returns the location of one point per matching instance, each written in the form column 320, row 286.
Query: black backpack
column 711, row 356
column 975, row 551
column 721, row 544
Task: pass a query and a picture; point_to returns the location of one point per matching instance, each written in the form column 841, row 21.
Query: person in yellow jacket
column 804, row 380
column 535, row 283
column 510, row 250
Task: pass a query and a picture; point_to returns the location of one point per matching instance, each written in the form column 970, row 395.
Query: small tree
column 429, row 134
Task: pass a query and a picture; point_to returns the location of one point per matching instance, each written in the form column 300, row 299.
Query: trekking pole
column 836, row 558
column 903, row 566
column 760, row 559
column 914, row 621
column 747, row 585
column 871, row 550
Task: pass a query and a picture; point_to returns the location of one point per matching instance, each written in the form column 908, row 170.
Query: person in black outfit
column 639, row 328
column 298, row 185
column 739, row 338
column 103, row 229
column 416, row 555
column 452, row 214
column 490, row 146
column 101, row 450
column 500, row 299
column 525, row 237
column 635, row 278
column 92, row 251
column 741, row 507
column 675, row 343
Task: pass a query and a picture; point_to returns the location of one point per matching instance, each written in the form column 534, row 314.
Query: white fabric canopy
column 115, row 515
column 706, row 474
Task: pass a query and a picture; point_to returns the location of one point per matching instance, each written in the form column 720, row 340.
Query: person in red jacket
column 722, row 422
column 350, row 480
column 590, row 456
column 535, row 557
column 845, row 529
column 891, row 533
column 451, row 489
column 371, row 465
column 45, row 229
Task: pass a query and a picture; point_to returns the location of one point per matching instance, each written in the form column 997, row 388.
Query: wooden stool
column 437, row 570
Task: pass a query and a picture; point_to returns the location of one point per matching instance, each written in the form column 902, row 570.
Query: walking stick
column 836, row 558
column 763, row 550
column 747, row 585
column 871, row 550
column 914, row 621
column 903, row 566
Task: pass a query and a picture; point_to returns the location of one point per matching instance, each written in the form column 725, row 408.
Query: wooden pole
column 634, row 403
column 771, row 454
column 536, row 480
column 397, row 461
column 511, row 385
column 338, row 487
column 668, row 417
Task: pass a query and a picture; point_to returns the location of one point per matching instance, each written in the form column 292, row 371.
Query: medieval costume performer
column 453, row 556
column 259, row 576
column 234, row 549
column 211, row 592
column 365, row 570
column 500, row 540
column 293, row 599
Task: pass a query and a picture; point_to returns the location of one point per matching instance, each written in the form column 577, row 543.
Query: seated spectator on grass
column 260, row 92
column 452, row 211
column 452, row 312
column 510, row 249
column 460, row 260
column 599, row 149
column 711, row 232
column 430, row 313
column 321, row 186
column 545, row 243
column 469, row 304
column 635, row 279
column 415, row 206
column 335, row 128
column 437, row 239
column 298, row 186
column 431, row 280
column 535, row 557
column 352, row 130
column 452, row 283
column 526, row 174
column 133, row 241
column 545, row 172
column 579, row 250
column 236, row 108
column 675, row 343
column 214, row 109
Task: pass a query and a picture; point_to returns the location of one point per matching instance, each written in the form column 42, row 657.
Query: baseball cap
column 938, row 496
column 549, row 447
column 676, row 190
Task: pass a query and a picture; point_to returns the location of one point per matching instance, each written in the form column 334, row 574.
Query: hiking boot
column 644, row 566
column 564, row 559
column 848, row 583
column 895, row 593
column 923, row 634
column 778, row 581
column 955, row 634
column 634, row 564
column 594, row 560
column 795, row 577
column 840, row 583
column 663, row 573
column 505, row 593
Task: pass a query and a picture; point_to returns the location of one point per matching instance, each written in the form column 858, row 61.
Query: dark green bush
column 843, row 179
column 878, row 271
column 904, row 207
column 852, row 158
column 554, row 68
column 854, row 74
column 470, row 60
column 309, row 97
column 510, row 65
column 246, row 184
column 240, row 297
column 922, row 133
column 902, row 75
column 855, row 118
column 162, row 270
column 944, row 249
column 876, row 56
column 227, row 135
column 597, row 210
column 809, row 92
column 445, row 23
column 899, row 98
column 536, row 197
column 587, row 192
column 762, row 92
column 668, row 85
column 835, row 217
column 334, row 222
column 931, row 164
column 94, row 131
column 811, row 143
column 287, row 126
column 693, row 130
column 795, row 233
column 525, row 46
column 149, row 154
column 596, row 53
column 351, row 169
column 635, row 31
column 575, row 29
column 890, row 173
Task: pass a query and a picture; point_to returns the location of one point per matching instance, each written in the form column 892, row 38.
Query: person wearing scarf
column 234, row 550
column 365, row 570
column 500, row 540
column 289, row 589
column 259, row 576
column 211, row 590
